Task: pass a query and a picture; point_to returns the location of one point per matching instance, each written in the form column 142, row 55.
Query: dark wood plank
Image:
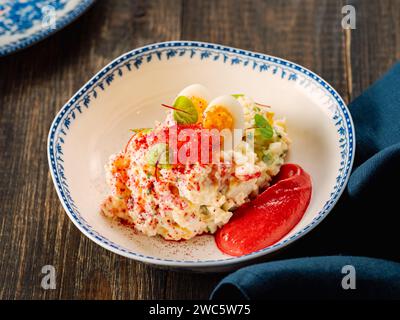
column 307, row 32
column 375, row 43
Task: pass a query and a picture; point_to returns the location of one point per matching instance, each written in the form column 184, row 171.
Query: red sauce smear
column 269, row 217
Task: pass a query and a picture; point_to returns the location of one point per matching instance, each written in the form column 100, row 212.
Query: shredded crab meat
column 187, row 199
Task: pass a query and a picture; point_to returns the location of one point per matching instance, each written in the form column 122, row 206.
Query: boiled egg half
column 199, row 95
column 225, row 114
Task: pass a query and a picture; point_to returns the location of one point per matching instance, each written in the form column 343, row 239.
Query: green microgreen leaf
column 237, row 95
column 158, row 155
column 260, row 121
column 265, row 133
column 263, row 128
column 184, row 111
column 141, row 130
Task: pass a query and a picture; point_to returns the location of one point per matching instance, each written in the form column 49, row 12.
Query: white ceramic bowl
column 127, row 94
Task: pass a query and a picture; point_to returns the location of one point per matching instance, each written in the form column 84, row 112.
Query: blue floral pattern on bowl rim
column 172, row 50
column 21, row 17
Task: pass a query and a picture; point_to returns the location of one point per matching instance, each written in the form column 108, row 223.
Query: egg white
column 235, row 109
column 196, row 90
column 231, row 105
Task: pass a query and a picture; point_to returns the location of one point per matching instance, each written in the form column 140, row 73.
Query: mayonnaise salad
column 171, row 181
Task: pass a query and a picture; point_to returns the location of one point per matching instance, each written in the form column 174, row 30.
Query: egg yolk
column 200, row 105
column 218, row 118
column 270, row 117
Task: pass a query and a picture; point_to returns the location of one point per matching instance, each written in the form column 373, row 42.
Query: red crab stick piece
column 268, row 218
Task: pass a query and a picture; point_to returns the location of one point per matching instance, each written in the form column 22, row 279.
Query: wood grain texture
column 306, row 32
column 375, row 43
column 35, row 83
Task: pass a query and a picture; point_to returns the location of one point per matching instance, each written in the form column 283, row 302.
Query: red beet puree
column 268, row 218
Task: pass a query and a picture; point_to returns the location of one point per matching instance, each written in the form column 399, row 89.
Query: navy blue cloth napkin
column 365, row 222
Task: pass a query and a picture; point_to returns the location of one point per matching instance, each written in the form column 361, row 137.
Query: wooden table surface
column 36, row 82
